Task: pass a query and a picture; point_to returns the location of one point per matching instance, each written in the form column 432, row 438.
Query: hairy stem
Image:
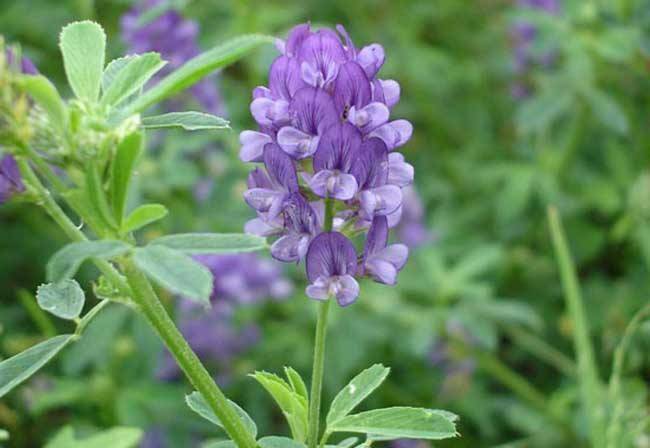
column 317, row 374
column 139, row 288
column 153, row 310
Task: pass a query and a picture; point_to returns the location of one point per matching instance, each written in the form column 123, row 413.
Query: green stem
column 588, row 378
column 542, row 350
column 319, row 351
column 155, row 312
column 615, row 427
column 45, row 170
column 317, row 374
column 511, row 379
column 139, row 288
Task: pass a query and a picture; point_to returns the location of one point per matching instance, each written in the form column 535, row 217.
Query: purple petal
column 299, row 216
column 280, row 167
column 400, row 173
column 290, row 248
column 396, row 254
column 334, row 184
column 268, row 112
column 371, row 58
column 314, row 110
column 370, row 117
column 297, row 143
column 259, row 179
column 260, row 227
column 371, row 167
column 330, row 254
column 386, row 91
column 319, row 290
column 296, row 37
column 338, row 148
column 322, row 54
column 377, row 237
column 263, row 200
column 381, row 270
column 284, row 78
column 351, row 88
column 346, row 290
column 380, row 201
column 252, row 148
column 394, row 134
column 350, row 49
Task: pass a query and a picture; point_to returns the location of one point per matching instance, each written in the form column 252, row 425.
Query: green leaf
column 279, row 442
column 119, row 437
column 127, row 154
column 293, row 405
column 297, row 384
column 83, row 45
column 83, row 206
column 18, row 368
column 190, row 121
column 64, row 299
column 66, row 262
column 212, row 243
column 142, row 216
column 400, row 422
column 197, row 68
column 46, row 96
column 4, row 435
column 538, row 113
column 130, row 78
column 607, row 111
column 176, row 271
column 113, row 68
column 356, row 391
column 197, row 403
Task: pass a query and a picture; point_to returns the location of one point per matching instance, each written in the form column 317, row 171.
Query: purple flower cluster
column 524, row 35
column 238, row 280
column 328, row 153
column 175, row 38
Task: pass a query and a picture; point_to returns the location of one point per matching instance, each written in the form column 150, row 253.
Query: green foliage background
column 487, row 167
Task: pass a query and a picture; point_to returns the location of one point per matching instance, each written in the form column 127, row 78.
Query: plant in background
column 94, row 141
column 331, row 176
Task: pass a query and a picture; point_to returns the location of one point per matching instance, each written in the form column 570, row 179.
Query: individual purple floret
column 325, row 141
column 331, row 265
column 10, row 181
column 524, row 35
column 239, row 280
column 175, row 38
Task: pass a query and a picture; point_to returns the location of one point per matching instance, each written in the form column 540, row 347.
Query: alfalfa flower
column 329, row 168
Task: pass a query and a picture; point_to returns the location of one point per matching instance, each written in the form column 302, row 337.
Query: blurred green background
column 477, row 324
